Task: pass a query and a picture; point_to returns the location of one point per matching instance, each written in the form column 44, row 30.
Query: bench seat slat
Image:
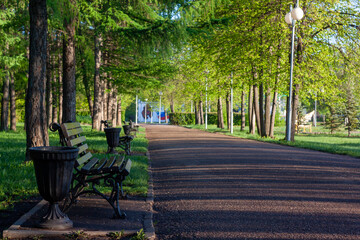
column 90, row 164
column 84, row 158
column 111, row 162
column 100, row 164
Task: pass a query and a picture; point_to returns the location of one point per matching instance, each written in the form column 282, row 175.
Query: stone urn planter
column 112, row 138
column 53, row 170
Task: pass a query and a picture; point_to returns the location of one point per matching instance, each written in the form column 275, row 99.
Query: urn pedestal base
column 55, row 219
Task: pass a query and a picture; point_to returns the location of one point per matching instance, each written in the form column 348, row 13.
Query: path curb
column 148, row 220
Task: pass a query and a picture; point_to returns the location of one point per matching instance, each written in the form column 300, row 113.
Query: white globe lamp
column 297, row 13
column 288, row 18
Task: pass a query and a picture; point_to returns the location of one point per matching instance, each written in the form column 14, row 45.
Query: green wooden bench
column 93, row 172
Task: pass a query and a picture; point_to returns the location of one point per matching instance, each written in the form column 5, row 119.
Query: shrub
column 182, row 118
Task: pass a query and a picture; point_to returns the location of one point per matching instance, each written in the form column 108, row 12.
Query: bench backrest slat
column 71, row 129
column 71, row 132
column 128, row 166
column 75, row 141
column 75, row 131
column 83, row 148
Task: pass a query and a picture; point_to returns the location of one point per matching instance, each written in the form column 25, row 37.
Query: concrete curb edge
column 148, row 220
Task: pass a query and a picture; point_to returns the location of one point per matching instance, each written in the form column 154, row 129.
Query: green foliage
column 189, row 118
column 140, row 235
column 84, row 119
column 278, row 120
column 17, row 177
column 332, row 121
column 351, row 113
column 182, row 118
column 78, row 235
column 116, row 235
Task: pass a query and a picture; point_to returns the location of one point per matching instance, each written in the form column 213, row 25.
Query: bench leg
column 73, row 195
column 114, row 197
column 115, row 182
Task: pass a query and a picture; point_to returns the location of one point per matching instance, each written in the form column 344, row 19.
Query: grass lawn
column 338, row 143
column 17, row 177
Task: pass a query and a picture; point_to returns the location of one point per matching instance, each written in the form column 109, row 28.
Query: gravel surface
column 211, row 186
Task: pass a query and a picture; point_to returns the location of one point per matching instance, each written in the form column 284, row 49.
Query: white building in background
column 152, row 112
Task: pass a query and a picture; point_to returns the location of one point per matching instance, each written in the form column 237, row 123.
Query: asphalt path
column 212, row 186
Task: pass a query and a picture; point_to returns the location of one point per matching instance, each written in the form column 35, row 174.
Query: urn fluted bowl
column 112, row 138
column 53, row 171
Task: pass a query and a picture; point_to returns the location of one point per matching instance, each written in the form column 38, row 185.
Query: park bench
column 90, row 171
column 124, row 141
column 132, row 128
column 303, row 128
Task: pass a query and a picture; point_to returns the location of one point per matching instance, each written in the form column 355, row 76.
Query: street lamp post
column 160, row 93
column 151, row 115
column 145, row 109
column 290, row 18
column 136, row 111
column 315, row 109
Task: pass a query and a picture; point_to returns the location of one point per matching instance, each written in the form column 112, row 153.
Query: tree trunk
column 4, row 126
column 228, row 111
column 113, row 106
column 197, row 113
column 69, row 82
column 103, row 102
column 274, row 102
column 256, row 108
column 273, row 114
column 172, row 107
column 201, row 109
column 97, row 85
column 35, row 108
column 251, row 109
column 86, row 82
column 242, row 110
column 55, row 90
column 118, row 114
column 267, row 112
column 12, row 103
column 60, row 82
column 253, row 121
column 110, row 101
column 48, row 86
column 105, row 92
column 261, row 110
column 54, row 100
column 220, row 123
column 295, row 104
